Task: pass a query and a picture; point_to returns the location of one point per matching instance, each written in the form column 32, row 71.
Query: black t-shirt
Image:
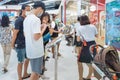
column 46, row 31
column 20, row 40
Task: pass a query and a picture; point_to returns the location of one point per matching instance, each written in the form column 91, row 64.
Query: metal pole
column 79, row 7
column 56, row 62
column 64, row 10
column 105, row 23
column 98, row 19
column 54, row 44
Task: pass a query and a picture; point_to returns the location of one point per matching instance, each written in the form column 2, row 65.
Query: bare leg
column 90, row 71
column 19, row 70
column 34, row 76
column 26, row 63
column 78, row 50
column 53, row 52
column 80, row 68
column 58, row 50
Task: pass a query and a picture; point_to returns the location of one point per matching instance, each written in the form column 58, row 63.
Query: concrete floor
column 67, row 65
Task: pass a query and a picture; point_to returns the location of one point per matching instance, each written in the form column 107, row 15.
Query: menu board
column 113, row 24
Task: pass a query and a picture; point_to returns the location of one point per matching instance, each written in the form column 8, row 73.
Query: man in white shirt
column 33, row 31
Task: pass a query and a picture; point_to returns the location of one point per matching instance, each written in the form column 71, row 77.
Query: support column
column 78, row 7
column 64, row 11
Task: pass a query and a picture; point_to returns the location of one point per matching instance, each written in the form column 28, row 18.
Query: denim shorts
column 21, row 54
column 37, row 65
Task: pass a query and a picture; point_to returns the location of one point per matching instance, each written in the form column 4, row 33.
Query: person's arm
column 39, row 30
column 78, row 34
column 39, row 35
column 96, row 32
column 53, row 26
column 56, row 31
column 78, row 39
column 15, row 32
column 11, row 27
column 51, row 31
column 96, row 35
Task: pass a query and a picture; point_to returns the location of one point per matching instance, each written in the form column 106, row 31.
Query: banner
column 113, row 24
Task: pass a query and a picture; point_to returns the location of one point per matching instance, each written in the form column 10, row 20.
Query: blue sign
column 113, row 24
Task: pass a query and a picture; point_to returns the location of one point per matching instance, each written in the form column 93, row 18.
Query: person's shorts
column 76, row 43
column 37, row 65
column 21, row 54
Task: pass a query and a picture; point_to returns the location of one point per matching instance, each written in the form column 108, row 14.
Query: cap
column 24, row 6
column 39, row 4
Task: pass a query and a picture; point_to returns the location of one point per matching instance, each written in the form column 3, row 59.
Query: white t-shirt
column 53, row 24
column 34, row 48
column 87, row 32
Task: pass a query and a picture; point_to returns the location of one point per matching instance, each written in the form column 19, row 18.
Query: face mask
column 27, row 13
column 39, row 15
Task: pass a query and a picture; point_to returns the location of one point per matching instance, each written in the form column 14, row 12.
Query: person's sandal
column 86, row 79
column 26, row 76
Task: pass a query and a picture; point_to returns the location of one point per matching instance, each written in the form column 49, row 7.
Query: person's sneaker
column 5, row 70
column 68, row 44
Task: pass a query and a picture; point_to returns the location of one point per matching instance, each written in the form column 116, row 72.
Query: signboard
column 9, row 13
column 113, row 24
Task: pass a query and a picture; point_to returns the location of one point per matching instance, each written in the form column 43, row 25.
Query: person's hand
column 43, row 26
column 49, row 26
column 51, row 31
column 60, row 31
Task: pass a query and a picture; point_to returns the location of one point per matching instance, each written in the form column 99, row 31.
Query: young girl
column 45, row 21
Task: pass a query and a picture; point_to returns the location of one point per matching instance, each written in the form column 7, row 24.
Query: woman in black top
column 45, row 20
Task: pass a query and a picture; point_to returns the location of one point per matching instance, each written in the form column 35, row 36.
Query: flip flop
column 26, row 76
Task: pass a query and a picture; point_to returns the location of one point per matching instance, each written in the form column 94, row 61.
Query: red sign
column 99, row 1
